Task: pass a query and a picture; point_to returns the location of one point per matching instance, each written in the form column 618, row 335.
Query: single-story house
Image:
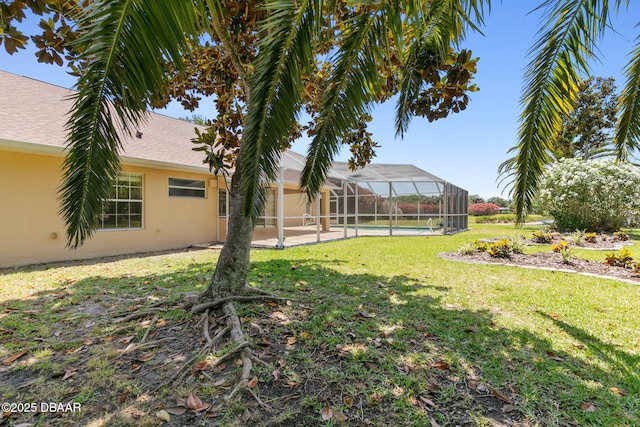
column 166, row 198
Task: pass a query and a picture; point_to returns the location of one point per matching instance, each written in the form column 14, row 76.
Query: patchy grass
column 376, row 331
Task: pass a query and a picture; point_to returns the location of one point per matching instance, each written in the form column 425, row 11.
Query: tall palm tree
column 560, row 58
column 126, row 44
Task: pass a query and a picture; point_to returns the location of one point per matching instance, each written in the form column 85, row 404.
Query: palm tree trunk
column 231, row 270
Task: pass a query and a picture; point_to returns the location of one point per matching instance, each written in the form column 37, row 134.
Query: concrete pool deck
column 308, row 235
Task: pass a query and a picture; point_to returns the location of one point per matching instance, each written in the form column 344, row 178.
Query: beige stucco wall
column 295, row 206
column 31, row 231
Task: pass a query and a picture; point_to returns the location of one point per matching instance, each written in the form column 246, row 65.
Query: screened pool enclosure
column 381, row 199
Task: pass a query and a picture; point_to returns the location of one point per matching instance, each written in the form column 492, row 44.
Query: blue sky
column 466, row 148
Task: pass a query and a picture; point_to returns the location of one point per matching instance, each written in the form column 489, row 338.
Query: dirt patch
column 123, row 377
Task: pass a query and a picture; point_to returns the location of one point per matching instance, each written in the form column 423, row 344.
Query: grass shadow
column 383, row 349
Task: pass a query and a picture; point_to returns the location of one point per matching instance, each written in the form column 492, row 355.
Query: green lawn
column 379, row 330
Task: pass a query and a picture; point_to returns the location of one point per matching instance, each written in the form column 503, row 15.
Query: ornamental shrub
column 481, row 209
column 591, row 195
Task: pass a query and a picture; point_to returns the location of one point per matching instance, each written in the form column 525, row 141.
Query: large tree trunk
column 231, row 270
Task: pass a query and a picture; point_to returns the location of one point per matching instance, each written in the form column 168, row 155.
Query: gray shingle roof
column 33, row 114
column 36, row 112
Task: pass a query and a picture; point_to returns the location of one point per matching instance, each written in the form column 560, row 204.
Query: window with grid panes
column 123, row 209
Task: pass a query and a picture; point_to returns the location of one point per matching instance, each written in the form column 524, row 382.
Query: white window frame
column 117, row 198
column 223, row 203
column 185, row 186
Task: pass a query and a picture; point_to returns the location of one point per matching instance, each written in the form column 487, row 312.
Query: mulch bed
column 553, row 261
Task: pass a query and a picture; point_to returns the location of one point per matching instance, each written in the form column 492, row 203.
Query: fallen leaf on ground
column 69, row 372
column 348, row 402
column 276, row 374
column 433, row 422
column 588, row 407
column 126, row 340
column 617, row 391
column 145, row 357
column 200, row 366
column 554, row 356
column 9, row 360
column 163, row 415
column 176, row 410
column 253, row 382
column 497, row 393
column 133, row 412
column 292, row 340
column 193, row 402
column 432, row 384
column 74, row 351
column 428, row 401
column 440, row 365
column 507, row 408
column 327, row 413
column 338, row 415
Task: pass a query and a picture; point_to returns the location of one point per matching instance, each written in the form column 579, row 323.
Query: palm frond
column 627, row 138
column 126, row 44
column 286, row 47
column 352, row 86
column 560, row 54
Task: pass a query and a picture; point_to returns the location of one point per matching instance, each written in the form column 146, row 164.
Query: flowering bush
column 481, row 209
column 591, row 195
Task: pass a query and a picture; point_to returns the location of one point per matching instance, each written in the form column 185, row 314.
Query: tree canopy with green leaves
column 587, row 129
column 265, row 63
column 560, row 58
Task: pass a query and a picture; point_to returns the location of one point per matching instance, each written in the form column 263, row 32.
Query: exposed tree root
column 142, row 345
column 240, row 347
column 137, row 315
column 233, row 321
column 178, row 375
column 260, row 402
column 149, row 328
column 232, row 329
column 251, row 290
column 242, row 298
